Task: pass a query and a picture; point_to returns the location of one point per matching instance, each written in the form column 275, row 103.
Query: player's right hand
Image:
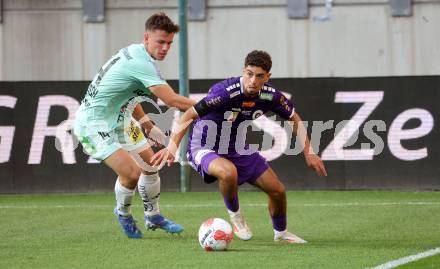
column 314, row 162
column 163, row 155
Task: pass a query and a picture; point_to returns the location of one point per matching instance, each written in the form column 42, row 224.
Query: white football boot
column 287, row 237
column 241, row 229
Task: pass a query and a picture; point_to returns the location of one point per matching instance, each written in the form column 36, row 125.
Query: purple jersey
column 230, row 112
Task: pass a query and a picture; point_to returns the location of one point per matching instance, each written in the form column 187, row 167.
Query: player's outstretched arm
column 168, row 154
column 312, row 159
column 165, row 93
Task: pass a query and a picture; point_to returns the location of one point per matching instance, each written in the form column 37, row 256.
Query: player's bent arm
column 177, row 134
column 142, row 118
column 313, row 161
column 151, row 131
column 200, row 109
column 165, row 93
column 183, row 124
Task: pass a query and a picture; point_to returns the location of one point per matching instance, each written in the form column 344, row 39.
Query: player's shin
column 279, row 223
column 149, row 190
column 124, row 196
column 231, row 204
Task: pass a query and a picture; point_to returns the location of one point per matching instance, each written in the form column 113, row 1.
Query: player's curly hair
column 160, row 21
column 259, row 58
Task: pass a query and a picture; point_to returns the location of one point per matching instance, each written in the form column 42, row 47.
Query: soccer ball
column 215, row 234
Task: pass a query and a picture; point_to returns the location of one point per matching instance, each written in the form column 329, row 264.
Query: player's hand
column 155, row 136
column 313, row 161
column 162, row 156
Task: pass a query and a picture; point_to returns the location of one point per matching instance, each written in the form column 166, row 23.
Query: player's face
column 158, row 43
column 254, row 78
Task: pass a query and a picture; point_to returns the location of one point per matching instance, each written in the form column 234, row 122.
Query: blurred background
column 71, row 39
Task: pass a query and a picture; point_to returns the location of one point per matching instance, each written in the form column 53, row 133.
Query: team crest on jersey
column 257, row 114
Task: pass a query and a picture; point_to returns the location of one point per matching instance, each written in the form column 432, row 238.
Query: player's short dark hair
column 259, row 58
column 160, row 21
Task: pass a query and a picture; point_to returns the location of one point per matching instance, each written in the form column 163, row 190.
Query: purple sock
column 279, row 223
column 232, row 204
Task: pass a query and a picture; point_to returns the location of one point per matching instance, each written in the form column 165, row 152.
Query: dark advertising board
column 372, row 133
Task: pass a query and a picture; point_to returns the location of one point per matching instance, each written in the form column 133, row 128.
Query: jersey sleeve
column 216, row 99
column 146, row 72
column 283, row 106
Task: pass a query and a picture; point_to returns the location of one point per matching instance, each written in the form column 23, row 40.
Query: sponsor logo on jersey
column 214, row 101
column 232, row 95
column 248, row 104
column 266, row 96
column 134, row 133
column 268, row 88
column 233, row 86
column 126, row 54
column 92, row 91
column 140, row 92
column 246, row 113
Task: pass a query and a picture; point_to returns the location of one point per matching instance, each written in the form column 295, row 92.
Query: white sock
column 279, row 234
column 123, row 199
column 233, row 214
column 149, row 190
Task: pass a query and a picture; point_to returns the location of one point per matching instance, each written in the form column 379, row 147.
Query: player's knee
column 133, row 174
column 279, row 193
column 228, row 174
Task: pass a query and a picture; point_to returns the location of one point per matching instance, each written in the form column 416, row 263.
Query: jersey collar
column 148, row 55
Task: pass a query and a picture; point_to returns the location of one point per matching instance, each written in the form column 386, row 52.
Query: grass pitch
column 344, row 229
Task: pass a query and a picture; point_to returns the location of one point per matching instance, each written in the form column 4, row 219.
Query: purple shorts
column 249, row 167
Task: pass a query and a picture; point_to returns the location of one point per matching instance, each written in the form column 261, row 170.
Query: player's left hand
column 161, row 156
column 313, row 161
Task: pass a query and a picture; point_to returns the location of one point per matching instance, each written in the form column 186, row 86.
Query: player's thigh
column 222, row 168
column 123, row 164
column 269, row 182
column 97, row 139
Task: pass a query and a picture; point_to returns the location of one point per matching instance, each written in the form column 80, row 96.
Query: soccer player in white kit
column 99, row 123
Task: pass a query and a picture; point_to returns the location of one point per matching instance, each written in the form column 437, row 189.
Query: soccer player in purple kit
column 230, row 161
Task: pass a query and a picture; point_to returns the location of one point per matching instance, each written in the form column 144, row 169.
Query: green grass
column 344, row 230
column 432, row 262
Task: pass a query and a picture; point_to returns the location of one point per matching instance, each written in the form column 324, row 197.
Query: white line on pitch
column 408, row 259
column 28, row 206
